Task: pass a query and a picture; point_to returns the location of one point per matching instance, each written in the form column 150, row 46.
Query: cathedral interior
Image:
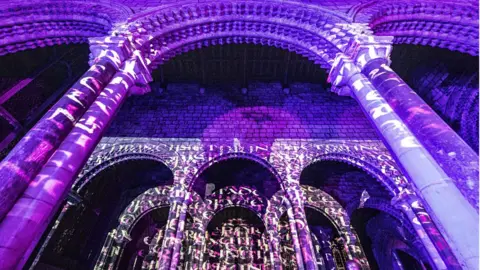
column 239, row 134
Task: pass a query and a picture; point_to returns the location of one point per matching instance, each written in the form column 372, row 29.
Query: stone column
column 180, row 231
column 295, row 238
column 199, row 240
column 325, row 247
column 354, row 248
column 103, row 260
column 179, row 197
column 27, row 158
column 440, row 254
column 454, row 215
column 272, row 238
column 25, row 223
column 294, row 193
column 451, row 153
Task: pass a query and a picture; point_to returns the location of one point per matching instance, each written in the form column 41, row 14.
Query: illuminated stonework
column 134, row 168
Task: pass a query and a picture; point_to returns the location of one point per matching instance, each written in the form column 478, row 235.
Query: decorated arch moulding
column 383, row 206
column 446, row 24
column 91, row 170
column 321, row 202
column 148, row 201
column 313, row 31
column 260, row 159
column 38, row 23
column 372, row 158
column 285, row 159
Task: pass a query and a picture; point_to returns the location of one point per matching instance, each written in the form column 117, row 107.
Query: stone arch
column 319, row 200
column 324, row 203
column 55, row 22
column 386, row 207
column 152, row 199
column 310, row 30
column 387, row 235
column 92, row 168
column 146, row 202
column 450, row 25
column 387, row 175
column 237, row 155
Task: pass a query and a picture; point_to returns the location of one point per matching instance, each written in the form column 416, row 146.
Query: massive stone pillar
column 451, row 153
column 454, row 215
column 25, row 223
column 26, row 159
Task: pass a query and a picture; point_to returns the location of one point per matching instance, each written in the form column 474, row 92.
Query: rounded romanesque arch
column 148, row 201
column 90, row 170
column 312, row 31
column 327, row 205
column 151, row 200
column 384, row 171
column 447, row 24
column 318, row 200
column 237, row 155
column 33, row 24
column 249, row 160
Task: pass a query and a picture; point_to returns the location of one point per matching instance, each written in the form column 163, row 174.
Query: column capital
column 343, row 68
column 364, row 48
column 137, row 68
column 115, row 49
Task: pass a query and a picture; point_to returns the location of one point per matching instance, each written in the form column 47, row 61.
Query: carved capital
column 343, row 68
column 364, row 48
column 138, row 70
column 115, row 49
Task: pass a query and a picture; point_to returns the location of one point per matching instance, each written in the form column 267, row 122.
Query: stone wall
column 447, row 81
column 264, row 113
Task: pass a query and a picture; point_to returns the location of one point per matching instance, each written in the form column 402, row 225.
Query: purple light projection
column 41, row 169
column 218, row 243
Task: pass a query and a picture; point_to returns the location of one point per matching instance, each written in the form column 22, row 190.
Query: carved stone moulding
column 449, row 25
column 34, row 24
column 314, row 32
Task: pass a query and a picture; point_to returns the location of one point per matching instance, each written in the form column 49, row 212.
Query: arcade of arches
column 309, row 135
